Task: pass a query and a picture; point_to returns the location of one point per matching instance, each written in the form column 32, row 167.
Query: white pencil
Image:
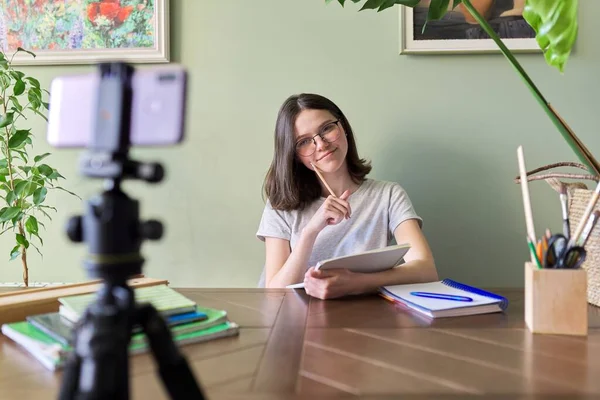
column 526, row 200
column 323, row 180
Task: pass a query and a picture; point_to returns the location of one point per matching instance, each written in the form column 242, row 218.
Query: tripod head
column 99, row 365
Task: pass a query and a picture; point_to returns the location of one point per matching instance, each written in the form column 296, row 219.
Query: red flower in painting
column 123, row 14
column 110, row 9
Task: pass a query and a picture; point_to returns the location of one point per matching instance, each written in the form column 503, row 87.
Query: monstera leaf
column 555, row 24
column 380, row 4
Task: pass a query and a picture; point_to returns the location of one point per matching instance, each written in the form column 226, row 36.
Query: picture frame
column 85, row 31
column 454, row 33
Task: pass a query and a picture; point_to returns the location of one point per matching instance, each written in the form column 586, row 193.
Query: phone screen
column 157, row 111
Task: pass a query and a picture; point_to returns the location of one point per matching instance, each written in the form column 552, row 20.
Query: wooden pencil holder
column 556, row 300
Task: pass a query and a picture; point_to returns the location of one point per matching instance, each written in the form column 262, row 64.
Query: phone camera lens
column 166, row 77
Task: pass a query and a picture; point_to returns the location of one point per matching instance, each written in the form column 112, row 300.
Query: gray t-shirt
column 378, row 207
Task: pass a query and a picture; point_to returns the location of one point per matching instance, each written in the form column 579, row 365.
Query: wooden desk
column 294, row 347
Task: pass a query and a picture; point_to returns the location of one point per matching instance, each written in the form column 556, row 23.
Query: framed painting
column 85, row 31
column 458, row 32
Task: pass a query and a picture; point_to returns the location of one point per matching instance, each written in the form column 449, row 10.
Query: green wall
column 445, row 127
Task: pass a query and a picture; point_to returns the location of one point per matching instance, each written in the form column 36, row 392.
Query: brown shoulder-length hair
column 289, row 185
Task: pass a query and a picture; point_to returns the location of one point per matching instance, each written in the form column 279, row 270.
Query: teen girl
column 303, row 223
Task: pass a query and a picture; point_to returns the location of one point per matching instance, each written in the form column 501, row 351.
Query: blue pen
column 441, row 296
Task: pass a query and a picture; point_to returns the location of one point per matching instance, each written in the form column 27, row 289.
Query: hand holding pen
column 333, row 210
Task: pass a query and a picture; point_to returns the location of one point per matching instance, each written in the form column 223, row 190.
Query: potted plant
column 555, row 24
column 25, row 177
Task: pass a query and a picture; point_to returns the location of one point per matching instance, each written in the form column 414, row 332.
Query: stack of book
column 48, row 337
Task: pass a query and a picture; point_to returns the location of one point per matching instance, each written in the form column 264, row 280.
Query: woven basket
column 578, row 198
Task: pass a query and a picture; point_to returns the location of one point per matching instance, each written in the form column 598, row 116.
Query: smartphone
column 157, row 110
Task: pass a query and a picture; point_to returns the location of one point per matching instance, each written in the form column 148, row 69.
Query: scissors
column 559, row 255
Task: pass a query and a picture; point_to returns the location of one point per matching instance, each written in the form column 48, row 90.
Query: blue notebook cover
column 481, row 302
column 471, row 289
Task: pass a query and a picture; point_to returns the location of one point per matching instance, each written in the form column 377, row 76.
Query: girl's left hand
column 331, row 284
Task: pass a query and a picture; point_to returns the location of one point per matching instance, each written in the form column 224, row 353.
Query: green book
column 61, row 328
column 166, row 300
column 214, row 318
column 52, row 354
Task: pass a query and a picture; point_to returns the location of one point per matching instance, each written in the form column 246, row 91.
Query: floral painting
column 74, row 31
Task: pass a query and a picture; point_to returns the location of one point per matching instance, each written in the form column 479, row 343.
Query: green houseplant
column 25, row 178
column 555, row 24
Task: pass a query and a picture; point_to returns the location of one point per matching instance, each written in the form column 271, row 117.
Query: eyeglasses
column 329, row 133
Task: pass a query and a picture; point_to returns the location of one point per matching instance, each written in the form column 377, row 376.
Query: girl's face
column 320, row 139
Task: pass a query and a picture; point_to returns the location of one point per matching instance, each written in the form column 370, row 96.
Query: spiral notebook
column 482, row 302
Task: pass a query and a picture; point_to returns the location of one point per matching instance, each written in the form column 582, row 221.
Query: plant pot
column 483, row 7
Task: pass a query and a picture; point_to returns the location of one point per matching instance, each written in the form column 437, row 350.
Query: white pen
column 588, row 211
column 589, row 227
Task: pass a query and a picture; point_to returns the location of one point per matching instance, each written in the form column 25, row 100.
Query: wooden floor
column 294, row 347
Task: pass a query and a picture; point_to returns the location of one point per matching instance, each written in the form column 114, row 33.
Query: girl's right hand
column 331, row 212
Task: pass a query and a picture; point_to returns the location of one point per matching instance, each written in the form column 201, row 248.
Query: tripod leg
column 172, row 365
column 70, row 380
column 99, row 367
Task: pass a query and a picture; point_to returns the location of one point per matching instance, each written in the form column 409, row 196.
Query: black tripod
column 99, row 365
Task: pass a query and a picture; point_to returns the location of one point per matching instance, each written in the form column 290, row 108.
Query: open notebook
column 482, row 301
column 369, row 261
